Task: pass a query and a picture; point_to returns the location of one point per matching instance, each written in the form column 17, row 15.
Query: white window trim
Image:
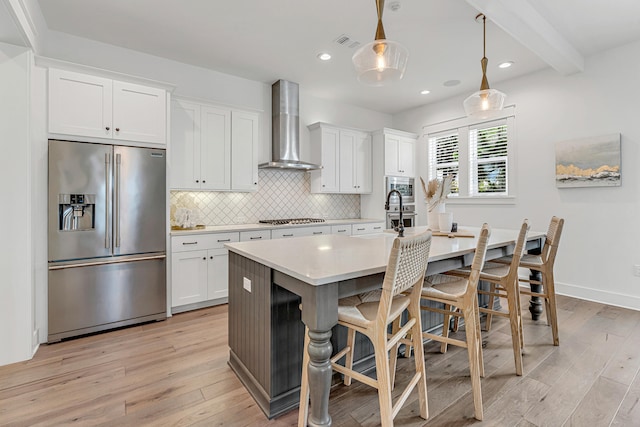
column 464, row 123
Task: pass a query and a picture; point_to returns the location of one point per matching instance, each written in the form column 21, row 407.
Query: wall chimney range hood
column 285, row 129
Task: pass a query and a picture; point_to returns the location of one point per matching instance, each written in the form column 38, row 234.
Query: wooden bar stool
column 543, row 264
column 460, row 298
column 503, row 279
column 370, row 314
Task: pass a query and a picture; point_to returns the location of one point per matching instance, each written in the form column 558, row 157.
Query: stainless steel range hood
column 285, row 129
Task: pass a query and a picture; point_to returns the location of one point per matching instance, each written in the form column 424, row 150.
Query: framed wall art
column 589, row 162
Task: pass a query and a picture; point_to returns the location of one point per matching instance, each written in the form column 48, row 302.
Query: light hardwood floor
column 175, row 372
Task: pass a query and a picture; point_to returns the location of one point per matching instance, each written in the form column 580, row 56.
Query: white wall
column 601, row 239
column 16, row 276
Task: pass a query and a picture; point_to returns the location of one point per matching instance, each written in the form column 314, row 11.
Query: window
column 479, row 155
column 445, row 160
column 488, row 160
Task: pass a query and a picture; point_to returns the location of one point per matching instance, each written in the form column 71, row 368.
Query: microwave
column 404, row 186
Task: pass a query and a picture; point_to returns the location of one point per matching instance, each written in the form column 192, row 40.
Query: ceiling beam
column 525, row 24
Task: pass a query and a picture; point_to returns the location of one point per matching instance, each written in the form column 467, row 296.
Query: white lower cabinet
column 188, row 277
column 368, row 228
column 300, row 231
column 200, row 268
column 341, row 229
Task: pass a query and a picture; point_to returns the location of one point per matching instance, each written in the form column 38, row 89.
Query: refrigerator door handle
column 116, row 202
column 107, row 170
column 112, row 261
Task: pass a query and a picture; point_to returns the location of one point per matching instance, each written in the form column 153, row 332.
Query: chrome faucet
column 400, row 227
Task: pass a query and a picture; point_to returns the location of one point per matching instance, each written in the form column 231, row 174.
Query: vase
column 433, row 217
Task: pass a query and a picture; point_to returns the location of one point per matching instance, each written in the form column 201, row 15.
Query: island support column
column 319, row 314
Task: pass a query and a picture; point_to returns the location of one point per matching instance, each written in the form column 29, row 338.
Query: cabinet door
column 80, row 104
column 244, row 150
column 215, row 149
column 362, row 163
column 218, row 274
column 188, row 277
column 139, row 113
column 347, row 161
column 185, row 145
column 330, row 142
column 391, row 155
column 406, row 149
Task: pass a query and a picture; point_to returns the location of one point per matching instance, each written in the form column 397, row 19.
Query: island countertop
column 318, row 260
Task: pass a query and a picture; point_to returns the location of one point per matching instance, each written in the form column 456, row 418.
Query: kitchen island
column 268, row 280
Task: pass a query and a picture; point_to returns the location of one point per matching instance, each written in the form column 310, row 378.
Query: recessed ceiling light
column 425, row 92
column 324, row 56
column 450, row 83
column 506, row 64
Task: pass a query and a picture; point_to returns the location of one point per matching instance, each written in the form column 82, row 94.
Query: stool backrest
column 405, row 270
column 552, row 241
column 518, row 251
column 478, row 259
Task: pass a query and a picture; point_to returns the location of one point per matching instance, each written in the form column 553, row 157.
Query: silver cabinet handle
column 342, row 231
column 255, row 238
column 189, row 243
column 317, row 232
column 360, row 229
column 377, row 228
column 287, row 235
column 116, row 201
column 225, row 240
column 107, row 167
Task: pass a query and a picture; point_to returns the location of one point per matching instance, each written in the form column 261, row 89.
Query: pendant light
column 382, row 60
column 486, row 101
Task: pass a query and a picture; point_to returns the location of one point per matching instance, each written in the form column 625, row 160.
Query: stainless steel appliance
column 107, row 239
column 285, row 129
column 402, row 185
column 291, row 221
column 408, row 216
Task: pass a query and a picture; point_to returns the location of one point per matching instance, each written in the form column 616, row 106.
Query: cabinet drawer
column 374, row 227
column 341, row 229
column 300, row 231
column 249, row 236
column 195, row 242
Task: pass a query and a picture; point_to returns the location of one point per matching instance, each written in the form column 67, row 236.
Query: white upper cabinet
column 244, row 150
column 91, row 106
column 213, row 148
column 345, row 156
column 355, row 162
column 399, row 153
column 139, row 113
column 325, row 150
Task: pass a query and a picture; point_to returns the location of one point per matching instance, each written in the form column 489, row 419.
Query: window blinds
column 488, row 159
column 444, row 152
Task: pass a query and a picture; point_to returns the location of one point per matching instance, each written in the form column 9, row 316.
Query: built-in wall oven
column 408, row 216
column 404, row 186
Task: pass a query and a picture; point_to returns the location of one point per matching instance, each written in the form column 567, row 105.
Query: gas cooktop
column 291, row 221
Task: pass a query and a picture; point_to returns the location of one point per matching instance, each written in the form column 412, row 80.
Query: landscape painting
column 589, row 162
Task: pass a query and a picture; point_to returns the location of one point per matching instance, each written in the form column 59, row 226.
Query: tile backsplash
column 281, row 194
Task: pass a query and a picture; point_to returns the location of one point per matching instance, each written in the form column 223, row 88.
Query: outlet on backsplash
column 280, row 195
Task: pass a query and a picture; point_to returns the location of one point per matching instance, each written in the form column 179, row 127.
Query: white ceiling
column 279, row 39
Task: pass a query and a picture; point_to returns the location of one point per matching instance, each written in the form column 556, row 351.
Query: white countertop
column 318, row 260
column 253, row 227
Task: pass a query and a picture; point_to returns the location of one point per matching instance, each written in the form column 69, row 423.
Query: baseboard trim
column 597, row 295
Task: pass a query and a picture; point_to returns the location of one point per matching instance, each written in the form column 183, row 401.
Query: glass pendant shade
column 380, row 62
column 486, row 101
column 483, row 103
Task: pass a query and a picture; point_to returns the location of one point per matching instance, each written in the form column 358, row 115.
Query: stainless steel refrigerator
column 107, row 237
